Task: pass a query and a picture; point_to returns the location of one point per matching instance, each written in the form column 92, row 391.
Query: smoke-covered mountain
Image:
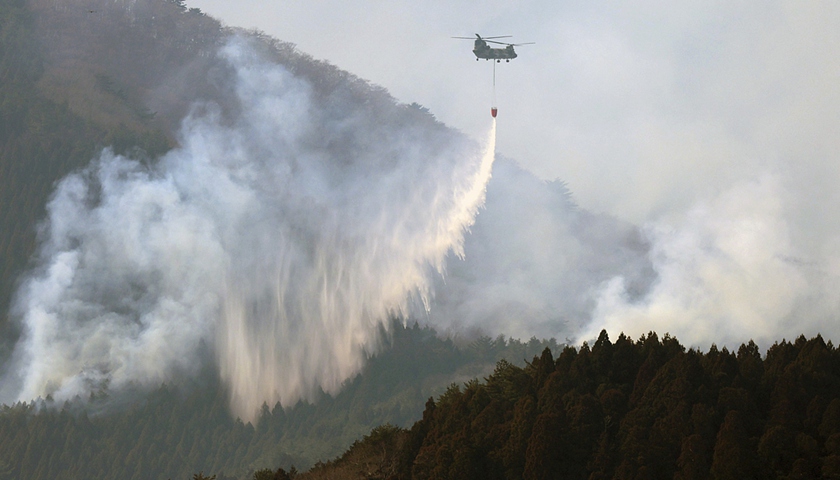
column 296, row 210
column 211, row 210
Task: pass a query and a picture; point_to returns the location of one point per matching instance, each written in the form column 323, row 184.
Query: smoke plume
column 282, row 237
column 729, row 270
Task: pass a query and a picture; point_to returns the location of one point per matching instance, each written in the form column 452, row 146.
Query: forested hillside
column 629, row 409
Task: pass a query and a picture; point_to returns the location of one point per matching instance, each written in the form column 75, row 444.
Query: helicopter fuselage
column 482, row 50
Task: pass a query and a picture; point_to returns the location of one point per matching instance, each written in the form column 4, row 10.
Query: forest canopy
column 626, row 409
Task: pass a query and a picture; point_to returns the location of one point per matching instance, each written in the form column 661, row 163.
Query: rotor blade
column 511, row 44
column 483, row 38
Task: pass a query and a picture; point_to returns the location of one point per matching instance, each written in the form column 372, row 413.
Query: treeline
column 644, row 409
column 175, row 432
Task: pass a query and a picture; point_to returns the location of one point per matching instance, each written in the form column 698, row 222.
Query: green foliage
column 643, row 409
column 269, row 474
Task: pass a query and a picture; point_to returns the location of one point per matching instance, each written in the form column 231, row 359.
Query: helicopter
column 482, row 50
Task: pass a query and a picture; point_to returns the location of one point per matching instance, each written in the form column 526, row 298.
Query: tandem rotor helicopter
column 482, row 50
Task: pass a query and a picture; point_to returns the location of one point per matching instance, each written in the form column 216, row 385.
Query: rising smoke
column 283, row 237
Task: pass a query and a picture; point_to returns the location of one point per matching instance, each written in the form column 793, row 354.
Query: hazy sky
column 642, row 107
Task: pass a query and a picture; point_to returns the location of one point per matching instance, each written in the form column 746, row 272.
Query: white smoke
column 282, row 237
column 728, row 271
